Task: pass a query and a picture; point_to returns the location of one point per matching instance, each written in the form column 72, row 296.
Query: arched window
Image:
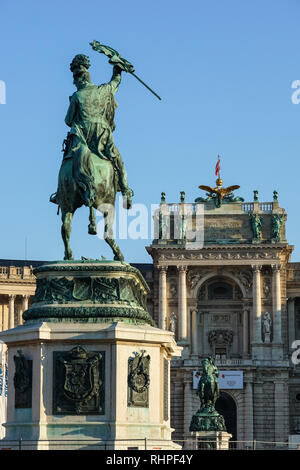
column 220, row 290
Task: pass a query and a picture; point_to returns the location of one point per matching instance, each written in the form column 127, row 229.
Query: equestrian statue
column 92, row 170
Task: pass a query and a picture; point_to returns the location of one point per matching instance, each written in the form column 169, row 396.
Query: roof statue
column 219, row 194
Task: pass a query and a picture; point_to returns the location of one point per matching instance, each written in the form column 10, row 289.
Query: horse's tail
column 82, row 172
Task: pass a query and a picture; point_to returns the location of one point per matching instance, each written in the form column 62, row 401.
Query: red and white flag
column 218, row 167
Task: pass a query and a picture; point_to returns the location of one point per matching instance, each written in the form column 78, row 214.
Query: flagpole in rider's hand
column 116, row 59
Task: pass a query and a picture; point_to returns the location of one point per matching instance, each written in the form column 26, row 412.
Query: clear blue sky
column 224, row 69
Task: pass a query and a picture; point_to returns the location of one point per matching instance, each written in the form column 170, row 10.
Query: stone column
column 25, row 299
column 245, row 332
column 11, row 311
column 276, row 304
column 5, row 317
column 291, row 320
column 248, row 410
column 182, row 309
column 162, row 320
column 1, row 317
column 256, row 304
column 195, row 337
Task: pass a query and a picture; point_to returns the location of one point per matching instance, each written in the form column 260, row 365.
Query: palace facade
column 222, row 281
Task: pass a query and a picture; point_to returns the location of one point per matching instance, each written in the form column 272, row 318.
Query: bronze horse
column 71, row 195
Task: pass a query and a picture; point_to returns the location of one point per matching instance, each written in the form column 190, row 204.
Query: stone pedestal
column 88, row 367
column 207, row 440
column 206, row 420
column 208, row 430
column 267, row 338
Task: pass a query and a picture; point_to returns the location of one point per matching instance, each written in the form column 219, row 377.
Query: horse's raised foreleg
column 109, row 237
column 92, row 229
column 66, row 227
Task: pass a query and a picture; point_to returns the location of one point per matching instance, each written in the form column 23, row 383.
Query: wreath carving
column 139, row 378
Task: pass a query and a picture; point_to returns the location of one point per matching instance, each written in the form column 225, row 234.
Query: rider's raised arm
column 115, row 79
column 71, row 111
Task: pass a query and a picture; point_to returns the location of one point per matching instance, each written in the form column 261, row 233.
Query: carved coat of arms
column 79, row 379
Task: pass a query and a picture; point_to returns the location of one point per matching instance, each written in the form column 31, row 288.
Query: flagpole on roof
column 218, row 167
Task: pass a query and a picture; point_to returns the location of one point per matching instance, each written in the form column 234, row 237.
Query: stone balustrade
column 264, row 207
column 13, row 272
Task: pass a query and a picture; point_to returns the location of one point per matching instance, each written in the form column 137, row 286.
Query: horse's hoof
column 127, row 203
column 127, row 198
column 92, row 229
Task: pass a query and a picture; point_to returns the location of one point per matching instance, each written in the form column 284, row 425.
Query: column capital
column 162, row 268
column 182, row 268
column 12, row 296
column 276, row 267
column 25, row 296
column 256, row 267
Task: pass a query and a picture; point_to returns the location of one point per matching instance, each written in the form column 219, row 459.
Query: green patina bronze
column 138, row 380
column 207, row 418
column 116, row 59
column 276, row 224
column 78, row 382
column 92, row 170
column 91, row 174
column 256, row 226
column 89, row 291
column 23, row 381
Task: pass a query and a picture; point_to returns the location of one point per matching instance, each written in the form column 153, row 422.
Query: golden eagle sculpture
column 219, row 193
